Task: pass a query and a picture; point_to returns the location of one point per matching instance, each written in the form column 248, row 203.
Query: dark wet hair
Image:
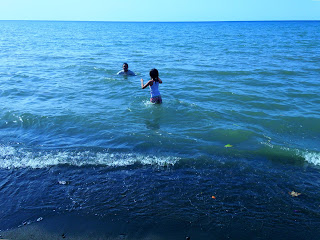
column 125, row 64
column 154, row 74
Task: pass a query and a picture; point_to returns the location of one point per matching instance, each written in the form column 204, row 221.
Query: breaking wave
column 19, row 158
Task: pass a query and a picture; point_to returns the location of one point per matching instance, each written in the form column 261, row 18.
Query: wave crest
column 20, row 158
column 312, row 157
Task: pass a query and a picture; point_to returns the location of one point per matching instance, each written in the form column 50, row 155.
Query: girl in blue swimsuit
column 154, row 86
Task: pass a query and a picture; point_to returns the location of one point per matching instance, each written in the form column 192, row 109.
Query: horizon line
column 199, row 21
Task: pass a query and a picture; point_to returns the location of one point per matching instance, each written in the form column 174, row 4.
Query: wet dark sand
column 79, row 227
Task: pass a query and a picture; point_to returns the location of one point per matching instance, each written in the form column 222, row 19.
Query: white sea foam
column 312, row 157
column 20, row 158
column 308, row 156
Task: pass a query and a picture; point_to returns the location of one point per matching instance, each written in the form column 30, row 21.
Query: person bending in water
column 125, row 70
column 154, row 86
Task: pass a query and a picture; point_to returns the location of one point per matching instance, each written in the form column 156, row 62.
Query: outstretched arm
column 143, row 86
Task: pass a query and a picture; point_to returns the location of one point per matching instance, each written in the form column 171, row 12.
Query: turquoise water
column 66, row 117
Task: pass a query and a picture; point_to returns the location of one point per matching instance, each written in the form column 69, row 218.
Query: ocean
column 232, row 153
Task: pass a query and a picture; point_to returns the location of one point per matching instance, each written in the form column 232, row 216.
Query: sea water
column 238, row 130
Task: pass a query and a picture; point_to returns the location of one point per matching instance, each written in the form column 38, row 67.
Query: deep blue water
column 78, row 140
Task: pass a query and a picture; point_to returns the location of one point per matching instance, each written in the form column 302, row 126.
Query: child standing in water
column 154, row 86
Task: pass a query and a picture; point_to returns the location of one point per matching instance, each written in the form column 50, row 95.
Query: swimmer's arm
column 160, row 81
column 146, row 85
column 131, row 73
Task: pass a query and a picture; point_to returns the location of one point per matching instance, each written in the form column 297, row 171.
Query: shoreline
column 76, row 227
column 89, row 227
